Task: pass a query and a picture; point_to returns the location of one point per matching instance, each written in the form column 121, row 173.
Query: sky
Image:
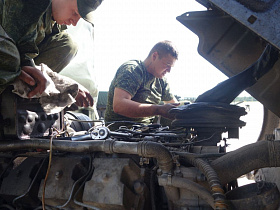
column 128, row 29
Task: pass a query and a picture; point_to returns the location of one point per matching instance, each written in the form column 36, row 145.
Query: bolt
column 58, row 175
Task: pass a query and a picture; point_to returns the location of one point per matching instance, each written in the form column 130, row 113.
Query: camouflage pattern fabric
column 134, row 78
column 26, row 22
column 10, row 60
column 56, row 51
column 29, row 27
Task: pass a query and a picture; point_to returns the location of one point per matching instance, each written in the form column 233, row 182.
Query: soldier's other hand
column 34, row 78
column 84, row 99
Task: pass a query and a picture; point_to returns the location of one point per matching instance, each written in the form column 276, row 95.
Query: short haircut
column 164, row 48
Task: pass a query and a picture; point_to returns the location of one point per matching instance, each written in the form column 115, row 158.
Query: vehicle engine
column 181, row 166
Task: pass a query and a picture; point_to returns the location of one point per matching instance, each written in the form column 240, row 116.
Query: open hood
column 233, row 34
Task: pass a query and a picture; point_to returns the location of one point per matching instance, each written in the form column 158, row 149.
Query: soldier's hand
column 35, row 78
column 164, row 110
column 84, row 99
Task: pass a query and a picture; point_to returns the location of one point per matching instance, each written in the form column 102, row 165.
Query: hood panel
column 232, row 46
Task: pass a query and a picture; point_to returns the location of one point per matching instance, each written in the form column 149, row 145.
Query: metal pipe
column 145, row 149
column 172, row 195
column 228, row 167
column 193, row 187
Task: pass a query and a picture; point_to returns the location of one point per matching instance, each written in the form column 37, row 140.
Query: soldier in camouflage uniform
column 139, row 86
column 31, row 32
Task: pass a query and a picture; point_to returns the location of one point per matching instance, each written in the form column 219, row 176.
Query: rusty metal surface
column 111, row 186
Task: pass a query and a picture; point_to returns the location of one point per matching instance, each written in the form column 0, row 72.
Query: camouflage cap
column 86, row 8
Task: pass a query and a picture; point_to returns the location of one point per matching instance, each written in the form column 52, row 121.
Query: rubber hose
column 261, row 154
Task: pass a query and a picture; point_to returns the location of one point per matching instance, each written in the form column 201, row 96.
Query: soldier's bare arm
column 123, row 105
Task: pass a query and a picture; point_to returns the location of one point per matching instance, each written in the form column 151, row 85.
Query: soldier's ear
column 154, row 56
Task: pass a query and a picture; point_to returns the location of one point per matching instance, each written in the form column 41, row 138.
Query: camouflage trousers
column 10, row 60
column 56, row 51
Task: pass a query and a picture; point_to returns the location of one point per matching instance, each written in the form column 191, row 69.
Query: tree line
column 238, row 99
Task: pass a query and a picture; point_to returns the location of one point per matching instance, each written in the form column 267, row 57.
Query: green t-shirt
column 143, row 87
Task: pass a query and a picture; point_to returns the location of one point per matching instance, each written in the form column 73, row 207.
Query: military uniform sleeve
column 129, row 78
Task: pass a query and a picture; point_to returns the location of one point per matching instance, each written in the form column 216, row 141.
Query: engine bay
column 181, row 166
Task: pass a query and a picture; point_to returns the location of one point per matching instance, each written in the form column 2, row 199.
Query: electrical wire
column 86, row 120
column 49, row 166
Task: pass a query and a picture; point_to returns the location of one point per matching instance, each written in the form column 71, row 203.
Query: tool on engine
column 104, row 132
column 99, row 133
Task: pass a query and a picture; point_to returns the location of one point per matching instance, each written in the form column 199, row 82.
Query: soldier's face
column 163, row 65
column 65, row 12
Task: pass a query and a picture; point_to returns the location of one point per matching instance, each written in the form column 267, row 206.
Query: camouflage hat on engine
column 86, row 8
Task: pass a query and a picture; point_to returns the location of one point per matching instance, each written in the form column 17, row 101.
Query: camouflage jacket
column 26, row 22
column 134, row 78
